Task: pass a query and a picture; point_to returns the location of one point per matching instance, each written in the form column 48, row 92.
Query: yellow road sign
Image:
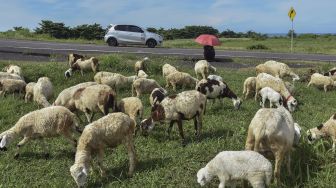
column 291, row 13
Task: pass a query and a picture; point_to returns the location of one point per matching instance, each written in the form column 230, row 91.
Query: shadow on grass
column 53, row 155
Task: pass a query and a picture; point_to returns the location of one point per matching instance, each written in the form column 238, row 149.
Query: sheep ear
column 320, row 126
column 4, row 141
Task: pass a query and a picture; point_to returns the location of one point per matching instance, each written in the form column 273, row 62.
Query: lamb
column 327, row 129
column 231, row 166
column 186, row 105
column 321, row 81
column 44, row 123
column 168, row 69
column 249, row 86
column 203, row 68
column 273, row 97
column 157, row 95
column 72, row 58
column 143, row 86
column 113, row 80
column 140, row 65
column 94, row 98
column 266, row 80
column 65, row 97
column 215, row 89
column 13, row 69
column 276, row 69
column 215, row 77
column 272, row 129
column 43, row 91
column 88, row 64
column 6, row 75
column 133, row 107
column 12, row 86
column 180, row 78
column 142, row 74
column 29, row 91
column 109, row 131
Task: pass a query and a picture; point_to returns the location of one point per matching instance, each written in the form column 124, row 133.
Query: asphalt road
column 43, row 48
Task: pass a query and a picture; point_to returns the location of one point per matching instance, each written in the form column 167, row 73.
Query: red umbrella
column 209, row 40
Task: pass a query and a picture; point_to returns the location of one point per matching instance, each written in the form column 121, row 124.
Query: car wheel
column 112, row 42
column 151, row 43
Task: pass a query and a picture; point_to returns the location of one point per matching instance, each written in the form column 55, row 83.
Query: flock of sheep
column 271, row 133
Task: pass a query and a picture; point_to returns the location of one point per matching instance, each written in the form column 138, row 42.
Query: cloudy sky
column 267, row 16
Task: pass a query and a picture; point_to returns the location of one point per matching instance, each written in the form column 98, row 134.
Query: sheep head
column 6, row 139
column 68, row 73
column 291, row 103
column 79, row 174
column 146, row 126
column 316, row 133
column 203, row 176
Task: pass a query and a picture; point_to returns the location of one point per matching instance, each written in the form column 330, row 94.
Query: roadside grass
column 164, row 162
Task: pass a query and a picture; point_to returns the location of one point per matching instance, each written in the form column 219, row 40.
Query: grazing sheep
column 142, row 74
column 113, row 80
column 6, row 75
column 29, row 91
column 272, row 129
column 215, row 77
column 88, row 64
column 144, row 86
column 231, row 166
column 168, row 69
column 273, row 97
column 43, row 91
column 109, row 131
column 65, row 97
column 133, row 107
column 276, row 69
column 93, row 99
column 46, row 122
column 203, row 69
column 321, row 81
column 180, row 78
column 13, row 69
column 214, row 89
column 140, row 65
column 183, row 106
column 157, row 95
column 72, row 58
column 12, row 86
column 331, row 72
column 327, row 129
column 249, row 86
column 266, row 80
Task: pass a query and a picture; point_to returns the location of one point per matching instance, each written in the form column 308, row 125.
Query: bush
column 257, row 47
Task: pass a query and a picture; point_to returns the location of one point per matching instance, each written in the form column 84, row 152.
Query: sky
column 265, row 16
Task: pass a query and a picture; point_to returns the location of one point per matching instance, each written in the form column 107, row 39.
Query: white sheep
column 142, row 74
column 144, row 86
column 88, row 64
column 72, row 58
column 231, row 166
column 168, row 69
column 29, row 91
column 321, row 81
column 266, row 80
column 12, row 86
column 325, row 130
column 272, row 129
column 203, row 69
column 215, row 77
column 249, row 86
column 113, row 80
column 157, row 95
column 140, row 65
column 13, row 69
column 109, row 131
column 47, row 122
column 180, row 79
column 43, row 91
column 93, row 99
column 133, row 107
column 273, row 97
column 186, row 105
column 6, row 75
column 276, row 69
column 65, row 97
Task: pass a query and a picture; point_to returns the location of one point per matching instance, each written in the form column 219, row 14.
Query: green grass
column 162, row 161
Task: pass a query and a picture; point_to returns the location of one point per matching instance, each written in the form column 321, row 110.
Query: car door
column 121, row 33
column 136, row 34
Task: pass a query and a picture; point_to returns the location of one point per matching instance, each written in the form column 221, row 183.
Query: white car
column 131, row 34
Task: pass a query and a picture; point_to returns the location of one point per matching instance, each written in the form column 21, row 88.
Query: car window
column 121, row 28
column 136, row 29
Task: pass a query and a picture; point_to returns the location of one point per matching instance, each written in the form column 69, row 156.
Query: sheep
column 43, row 91
column 168, row 69
column 88, row 64
column 186, row 105
column 231, row 166
column 180, row 78
column 29, row 91
column 276, row 69
column 65, row 97
column 13, row 69
column 249, row 86
column 215, row 89
column 321, row 81
column 94, row 98
column 140, row 65
column 266, row 80
column 273, row 97
column 331, row 72
column 133, row 107
column 142, row 74
column 272, row 129
column 203, row 68
column 6, row 75
column 44, row 123
column 72, row 58
column 11, row 86
column 68, row 73
column 143, row 86
column 327, row 129
column 215, row 77
column 157, row 95
column 113, row 80
column 109, row 131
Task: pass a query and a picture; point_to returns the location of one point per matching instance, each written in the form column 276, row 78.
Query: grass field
column 162, row 161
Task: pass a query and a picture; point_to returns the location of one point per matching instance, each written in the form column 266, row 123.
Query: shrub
column 257, row 47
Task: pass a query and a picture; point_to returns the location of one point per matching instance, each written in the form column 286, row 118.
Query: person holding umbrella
column 208, row 42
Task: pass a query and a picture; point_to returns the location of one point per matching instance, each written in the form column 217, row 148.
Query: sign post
column 291, row 15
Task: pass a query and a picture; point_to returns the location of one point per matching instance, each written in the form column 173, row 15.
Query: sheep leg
column 21, row 143
column 45, row 148
column 334, row 145
column 170, row 128
column 88, row 116
column 309, row 84
column 100, row 162
column 82, row 73
column 288, row 165
column 325, row 88
column 249, row 145
column 179, row 124
column 174, row 86
column 222, row 182
column 131, row 155
column 278, row 161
